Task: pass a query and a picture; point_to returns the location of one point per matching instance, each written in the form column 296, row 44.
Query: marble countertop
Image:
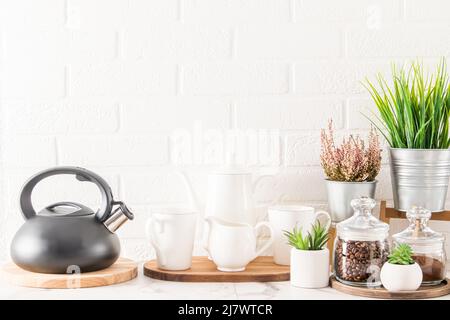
column 145, row 288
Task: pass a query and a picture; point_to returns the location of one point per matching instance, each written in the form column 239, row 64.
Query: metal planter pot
column 341, row 193
column 420, row 178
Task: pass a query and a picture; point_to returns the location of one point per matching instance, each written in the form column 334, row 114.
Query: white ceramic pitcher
column 229, row 195
column 232, row 246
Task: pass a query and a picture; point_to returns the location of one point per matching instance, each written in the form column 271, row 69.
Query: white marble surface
column 145, row 288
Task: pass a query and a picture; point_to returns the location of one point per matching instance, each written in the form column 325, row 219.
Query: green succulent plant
column 314, row 240
column 414, row 111
column 402, row 254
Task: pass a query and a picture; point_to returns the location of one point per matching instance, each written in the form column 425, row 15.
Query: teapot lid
column 66, row 209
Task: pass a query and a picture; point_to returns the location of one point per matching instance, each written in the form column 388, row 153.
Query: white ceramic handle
column 152, row 228
column 326, row 214
column 269, row 242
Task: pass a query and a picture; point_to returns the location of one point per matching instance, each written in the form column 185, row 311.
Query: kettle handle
column 81, row 174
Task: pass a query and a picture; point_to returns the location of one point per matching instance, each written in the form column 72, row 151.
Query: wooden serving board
column 424, row 292
column 121, row 271
column 262, row 269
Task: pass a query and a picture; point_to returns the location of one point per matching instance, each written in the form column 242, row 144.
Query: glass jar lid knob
column 363, row 204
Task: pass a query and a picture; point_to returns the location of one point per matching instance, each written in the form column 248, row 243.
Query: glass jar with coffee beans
column 428, row 246
column 361, row 247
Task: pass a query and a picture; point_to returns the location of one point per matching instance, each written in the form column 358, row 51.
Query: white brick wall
column 105, row 83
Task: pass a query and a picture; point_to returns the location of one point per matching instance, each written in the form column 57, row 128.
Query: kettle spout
column 193, row 199
column 118, row 217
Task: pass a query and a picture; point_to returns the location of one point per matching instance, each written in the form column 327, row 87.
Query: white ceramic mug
column 286, row 218
column 172, row 234
column 234, row 245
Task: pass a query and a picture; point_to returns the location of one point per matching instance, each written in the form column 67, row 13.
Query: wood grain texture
column 262, row 269
column 381, row 293
column 330, row 243
column 390, row 213
column 121, row 271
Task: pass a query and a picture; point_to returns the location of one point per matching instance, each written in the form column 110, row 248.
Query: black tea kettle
column 69, row 236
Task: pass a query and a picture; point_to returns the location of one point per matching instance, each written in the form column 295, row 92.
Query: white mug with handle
column 171, row 231
column 287, row 217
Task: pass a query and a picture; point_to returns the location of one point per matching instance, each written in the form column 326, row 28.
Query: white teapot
column 232, row 246
column 230, row 195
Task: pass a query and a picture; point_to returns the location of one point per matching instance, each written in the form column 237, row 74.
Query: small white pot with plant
column 400, row 272
column 310, row 260
column 350, row 168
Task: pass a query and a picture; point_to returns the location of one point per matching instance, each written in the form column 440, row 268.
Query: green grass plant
column 414, row 111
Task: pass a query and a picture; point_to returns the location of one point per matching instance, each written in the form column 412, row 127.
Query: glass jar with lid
column 426, row 244
column 361, row 246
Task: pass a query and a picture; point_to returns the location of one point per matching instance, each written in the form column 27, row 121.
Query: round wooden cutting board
column 424, row 292
column 121, row 271
column 262, row 269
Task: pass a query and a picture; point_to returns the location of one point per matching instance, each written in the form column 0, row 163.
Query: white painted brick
column 430, row 10
column 169, row 114
column 358, row 109
column 236, row 11
column 293, row 113
column 143, row 12
column 337, row 77
column 28, row 44
column 93, row 45
column 302, row 149
column 113, row 150
column 176, row 42
column 28, row 151
column 121, row 79
column 31, row 80
column 399, row 41
column 58, row 46
column 295, row 184
column 32, row 64
column 150, row 187
column 61, row 116
column 88, row 14
column 288, row 41
column 43, row 13
column 236, row 78
column 349, row 10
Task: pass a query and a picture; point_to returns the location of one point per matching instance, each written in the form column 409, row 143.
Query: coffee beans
column 433, row 270
column 359, row 261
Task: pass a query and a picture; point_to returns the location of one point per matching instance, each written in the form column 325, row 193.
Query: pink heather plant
column 351, row 161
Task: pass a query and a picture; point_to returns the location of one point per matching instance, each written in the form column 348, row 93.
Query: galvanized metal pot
column 420, row 178
column 340, row 194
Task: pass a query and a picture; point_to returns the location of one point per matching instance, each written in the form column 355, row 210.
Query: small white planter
column 396, row 277
column 310, row 269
